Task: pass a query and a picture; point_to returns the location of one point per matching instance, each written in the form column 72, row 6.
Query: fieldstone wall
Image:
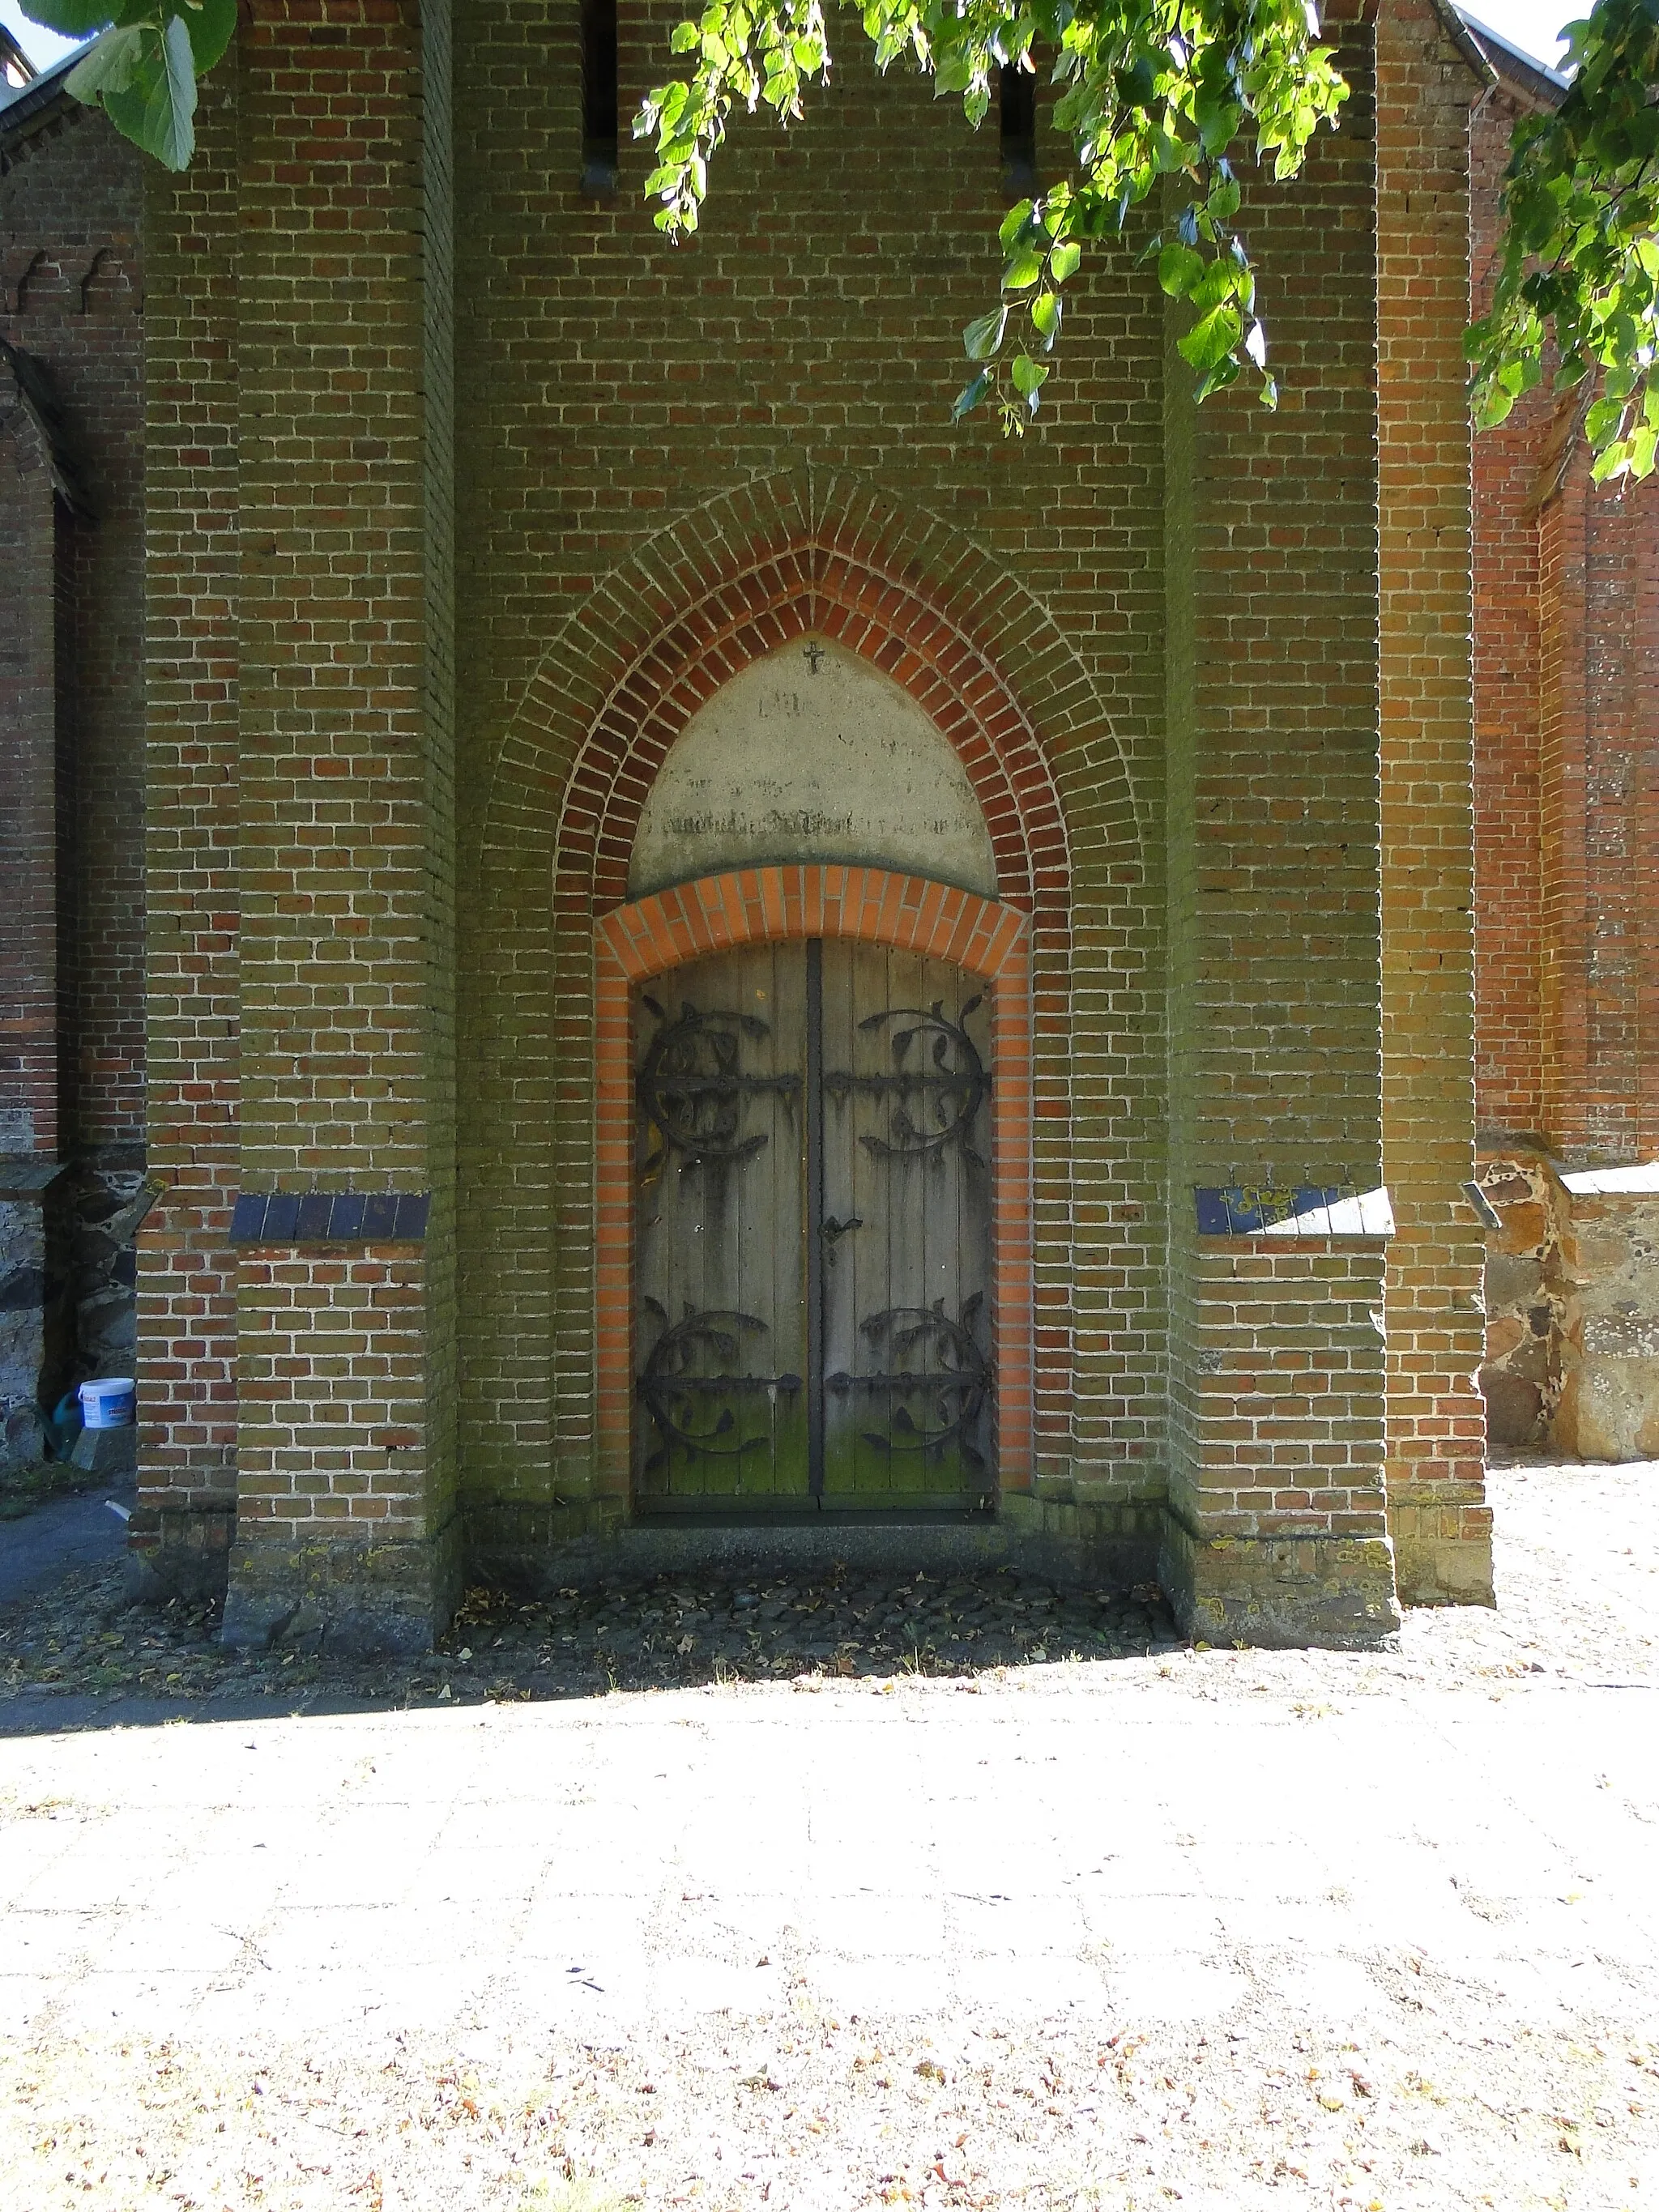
column 32, row 1311
column 1572, row 1311
column 1608, row 1405
column 1520, row 1370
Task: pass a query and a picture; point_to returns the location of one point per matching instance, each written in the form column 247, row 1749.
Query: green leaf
column 1045, row 316
column 1063, row 260
column 1023, row 269
column 970, row 396
column 1179, row 268
column 1210, row 340
column 1602, row 420
column 212, row 25
column 1016, row 224
column 1029, row 377
column 983, row 336
column 70, row 19
column 109, row 67
column 168, row 128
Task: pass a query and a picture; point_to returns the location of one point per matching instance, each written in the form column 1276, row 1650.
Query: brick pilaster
column 187, row 1274
column 1277, row 1527
column 346, row 1525
column 1437, row 1420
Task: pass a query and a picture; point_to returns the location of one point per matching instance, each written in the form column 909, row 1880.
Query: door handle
column 833, row 1229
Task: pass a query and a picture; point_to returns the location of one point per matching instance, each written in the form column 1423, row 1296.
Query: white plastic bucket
column 107, row 1403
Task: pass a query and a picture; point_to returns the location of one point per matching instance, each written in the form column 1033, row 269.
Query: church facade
column 666, row 949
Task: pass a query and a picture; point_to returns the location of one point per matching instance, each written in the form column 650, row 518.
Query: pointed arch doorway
column 814, row 1120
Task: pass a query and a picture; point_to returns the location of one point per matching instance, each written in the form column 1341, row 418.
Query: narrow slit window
column 1017, row 119
column 599, row 103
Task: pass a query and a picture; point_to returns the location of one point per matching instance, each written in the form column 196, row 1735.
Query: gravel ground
column 79, row 1640
column 1530, row 2081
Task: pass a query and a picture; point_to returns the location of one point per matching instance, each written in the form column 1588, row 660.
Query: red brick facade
column 1566, row 781
column 71, row 764
column 1567, row 769
column 417, row 645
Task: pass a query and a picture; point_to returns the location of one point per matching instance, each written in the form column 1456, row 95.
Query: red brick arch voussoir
column 819, row 590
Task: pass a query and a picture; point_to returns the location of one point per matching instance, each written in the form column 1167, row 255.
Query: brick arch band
column 805, row 552
column 988, row 940
column 833, row 594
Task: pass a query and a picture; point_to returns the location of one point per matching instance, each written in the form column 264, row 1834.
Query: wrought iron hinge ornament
column 952, row 1378
column 937, row 1084
column 691, row 1087
column 695, row 1410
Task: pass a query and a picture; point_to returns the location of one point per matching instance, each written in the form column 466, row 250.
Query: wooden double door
column 812, row 1234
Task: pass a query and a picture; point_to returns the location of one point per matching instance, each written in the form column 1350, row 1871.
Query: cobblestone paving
column 1213, row 1927
column 82, row 1637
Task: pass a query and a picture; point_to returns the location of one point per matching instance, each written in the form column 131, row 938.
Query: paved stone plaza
column 1201, row 1926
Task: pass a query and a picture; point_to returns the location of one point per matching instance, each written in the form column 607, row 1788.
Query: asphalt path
column 38, row 1550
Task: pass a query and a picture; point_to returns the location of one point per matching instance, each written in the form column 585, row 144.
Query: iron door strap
column 953, row 1378
column 693, row 1410
column 691, row 1085
column 936, row 1091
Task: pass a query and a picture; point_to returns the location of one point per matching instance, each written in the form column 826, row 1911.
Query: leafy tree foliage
column 1147, row 90
column 143, row 68
column 1155, row 96
column 1579, row 267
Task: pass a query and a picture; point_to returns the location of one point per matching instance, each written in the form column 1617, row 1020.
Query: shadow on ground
column 79, row 1656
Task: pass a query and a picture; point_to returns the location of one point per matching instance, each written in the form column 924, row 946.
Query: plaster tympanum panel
column 811, row 754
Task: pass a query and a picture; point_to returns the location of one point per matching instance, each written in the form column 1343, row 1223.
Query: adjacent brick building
column 469, row 510
column 72, row 1142
column 1567, row 902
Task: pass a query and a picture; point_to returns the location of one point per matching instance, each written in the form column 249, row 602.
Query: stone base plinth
column 179, row 1551
column 1441, row 1550
column 541, row 1548
column 347, row 1597
column 1331, row 1593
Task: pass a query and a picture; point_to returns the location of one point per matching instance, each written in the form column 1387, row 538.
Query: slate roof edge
column 1517, row 71
column 36, row 102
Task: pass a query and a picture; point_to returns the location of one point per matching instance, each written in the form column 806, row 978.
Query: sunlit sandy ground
column 1214, row 1927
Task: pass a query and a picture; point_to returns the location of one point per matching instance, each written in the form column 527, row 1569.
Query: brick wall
column 1436, row 1435
column 1599, row 820
column 1567, row 768
column 302, row 672
column 1567, row 903
column 1150, row 633
column 70, row 262
column 187, row 1283
column 72, row 1065
column 661, row 447
column 1509, row 920
column 29, row 780
column 1273, row 928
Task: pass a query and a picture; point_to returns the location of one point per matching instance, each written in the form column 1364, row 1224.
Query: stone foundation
column 1572, row 1307
column 343, row 1597
column 36, row 1348
column 1334, row 1593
